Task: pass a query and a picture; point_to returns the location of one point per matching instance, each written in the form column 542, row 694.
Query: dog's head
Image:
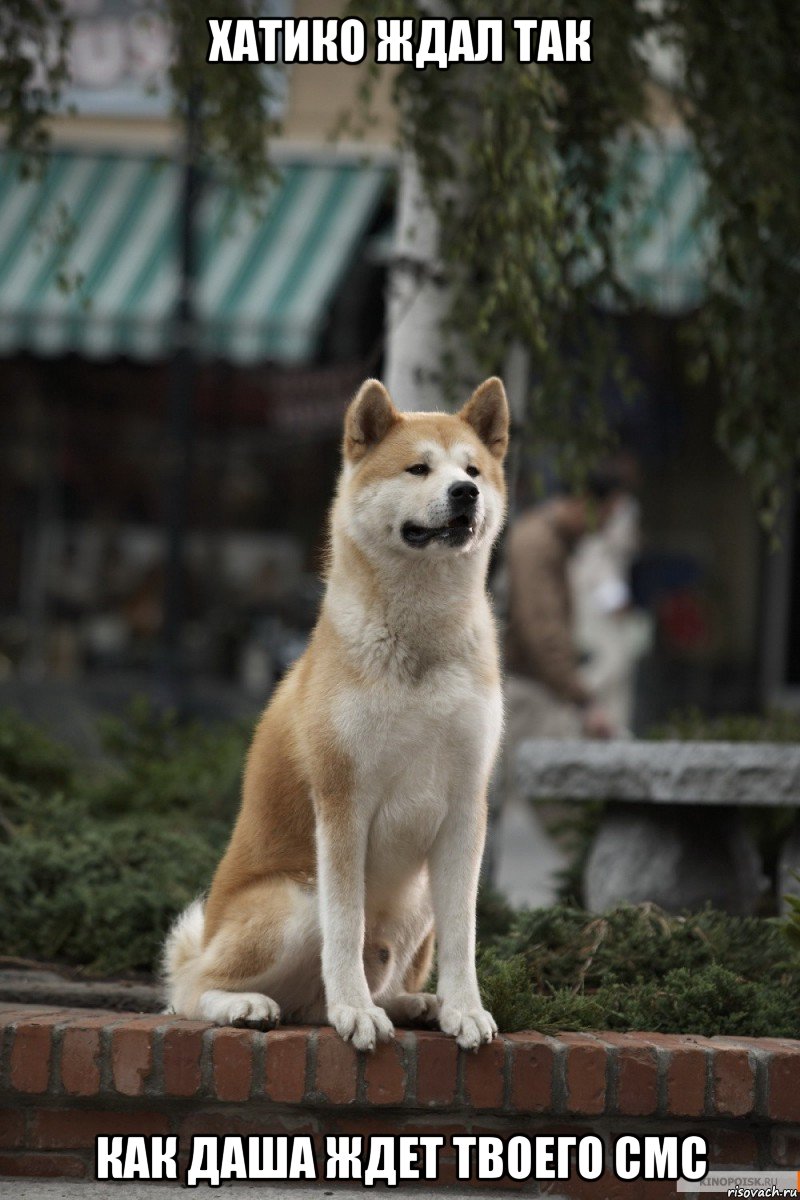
column 424, row 483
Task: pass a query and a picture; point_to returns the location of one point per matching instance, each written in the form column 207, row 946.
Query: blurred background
column 174, row 364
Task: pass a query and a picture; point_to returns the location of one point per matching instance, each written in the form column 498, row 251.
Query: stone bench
column 672, row 831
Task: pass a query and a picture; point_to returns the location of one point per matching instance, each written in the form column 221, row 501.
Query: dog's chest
column 393, row 732
column 416, row 750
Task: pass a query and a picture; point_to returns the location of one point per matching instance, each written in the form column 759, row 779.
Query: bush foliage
column 637, row 968
column 691, row 725
column 96, row 859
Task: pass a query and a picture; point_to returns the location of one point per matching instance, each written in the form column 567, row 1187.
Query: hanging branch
column 517, row 162
column 742, row 105
column 527, row 192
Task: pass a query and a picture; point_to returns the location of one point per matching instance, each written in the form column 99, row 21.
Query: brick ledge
column 68, row 1074
column 87, row 1053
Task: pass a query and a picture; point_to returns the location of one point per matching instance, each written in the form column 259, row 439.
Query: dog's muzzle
column 462, row 498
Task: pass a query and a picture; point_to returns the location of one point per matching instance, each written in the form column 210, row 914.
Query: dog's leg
column 262, row 957
column 454, row 865
column 412, row 1004
column 341, row 856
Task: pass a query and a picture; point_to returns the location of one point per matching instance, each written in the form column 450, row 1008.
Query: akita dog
column 364, row 799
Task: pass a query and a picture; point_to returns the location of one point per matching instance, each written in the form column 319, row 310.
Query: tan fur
column 418, row 973
column 304, row 770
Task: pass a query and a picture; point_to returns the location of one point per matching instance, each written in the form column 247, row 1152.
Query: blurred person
column 611, row 634
column 546, row 693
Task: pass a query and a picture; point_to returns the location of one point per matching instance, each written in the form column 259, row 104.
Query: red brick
column 499, row 1187
column 132, row 1056
column 733, row 1148
column 734, row 1083
column 232, row 1063
column 437, row 1064
column 785, row 1148
column 73, row 1128
column 377, row 1122
column 337, row 1068
column 222, row 1122
column 448, row 1176
column 385, row 1073
column 566, row 1127
column 88, row 1018
column 80, row 1061
column 11, row 1014
column 532, row 1062
column 784, row 1086
column 31, row 1053
column 585, row 1074
column 607, row 1187
column 182, row 1051
column 750, row 1043
column 41, row 1166
column 687, row 1072
column 12, row 1127
column 285, row 1074
column 637, row 1074
column 484, row 1075
column 226, row 1121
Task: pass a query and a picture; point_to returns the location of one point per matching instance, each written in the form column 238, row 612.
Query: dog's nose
column 462, row 494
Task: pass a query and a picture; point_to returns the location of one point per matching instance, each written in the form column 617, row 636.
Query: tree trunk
column 417, row 300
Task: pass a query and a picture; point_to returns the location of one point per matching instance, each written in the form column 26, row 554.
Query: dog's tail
column 182, row 950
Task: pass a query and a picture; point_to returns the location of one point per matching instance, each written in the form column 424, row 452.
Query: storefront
column 288, row 315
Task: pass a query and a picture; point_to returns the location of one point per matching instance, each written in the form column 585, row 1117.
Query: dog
column 363, row 812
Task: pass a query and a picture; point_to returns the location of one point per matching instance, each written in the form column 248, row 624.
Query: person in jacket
column 546, row 692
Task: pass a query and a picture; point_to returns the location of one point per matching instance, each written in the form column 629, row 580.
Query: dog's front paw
column 249, row 1009
column 468, row 1025
column 361, row 1026
column 413, row 1006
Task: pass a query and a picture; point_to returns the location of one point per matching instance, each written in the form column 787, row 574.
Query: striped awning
column 663, row 245
column 89, row 257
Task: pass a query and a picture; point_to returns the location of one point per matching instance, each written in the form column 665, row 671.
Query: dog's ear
column 487, row 412
column 369, row 418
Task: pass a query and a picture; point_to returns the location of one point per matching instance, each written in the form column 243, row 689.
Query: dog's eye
column 472, row 471
column 419, row 469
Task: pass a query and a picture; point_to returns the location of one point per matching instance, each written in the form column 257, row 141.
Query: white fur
column 184, row 943
column 239, row 1008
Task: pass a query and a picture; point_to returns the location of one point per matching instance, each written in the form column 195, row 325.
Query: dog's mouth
column 456, row 532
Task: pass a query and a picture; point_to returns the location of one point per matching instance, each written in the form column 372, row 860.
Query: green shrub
column 160, row 765
column 692, row 725
column 567, row 947
column 638, row 968
column 100, row 894
column 95, row 863
column 30, row 756
column 707, row 1002
column 792, row 923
